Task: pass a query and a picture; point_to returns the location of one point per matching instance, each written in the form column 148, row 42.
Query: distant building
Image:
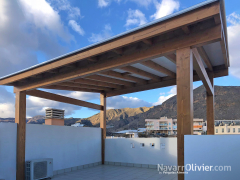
column 131, row 133
column 226, row 128
column 169, row 125
column 77, row 125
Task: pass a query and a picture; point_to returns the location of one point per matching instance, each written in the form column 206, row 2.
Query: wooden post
column 210, row 108
column 20, row 119
column 184, row 101
column 103, row 123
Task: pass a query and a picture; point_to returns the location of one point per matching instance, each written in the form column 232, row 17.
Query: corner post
column 20, row 119
column 184, row 101
column 210, row 108
column 103, row 123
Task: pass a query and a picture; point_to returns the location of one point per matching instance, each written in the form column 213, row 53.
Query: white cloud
column 118, row 102
column 28, row 27
column 76, row 27
column 106, row 33
column 144, row 3
column 73, row 13
column 162, row 98
column 234, row 43
column 103, row 3
column 165, row 8
column 43, row 16
column 64, row 5
column 135, row 17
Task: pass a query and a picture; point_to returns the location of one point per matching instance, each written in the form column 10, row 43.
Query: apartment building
column 227, row 129
column 169, row 125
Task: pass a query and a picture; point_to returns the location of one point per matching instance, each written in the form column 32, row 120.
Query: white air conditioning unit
column 39, row 169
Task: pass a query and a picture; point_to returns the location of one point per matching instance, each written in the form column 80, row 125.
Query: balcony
column 163, row 124
column 149, row 124
column 163, row 128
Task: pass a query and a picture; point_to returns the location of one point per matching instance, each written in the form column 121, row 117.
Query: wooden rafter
column 63, row 99
column 171, row 57
column 96, row 83
column 147, row 41
column 111, row 80
column 166, row 81
column 85, row 86
column 201, row 71
column 118, row 51
column 141, row 72
column 125, row 76
column 186, row 29
column 159, row 68
column 205, row 57
column 58, row 87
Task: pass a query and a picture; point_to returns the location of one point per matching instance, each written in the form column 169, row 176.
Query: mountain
column 117, row 117
column 227, row 106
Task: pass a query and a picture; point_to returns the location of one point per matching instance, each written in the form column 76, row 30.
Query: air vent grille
column 40, row 169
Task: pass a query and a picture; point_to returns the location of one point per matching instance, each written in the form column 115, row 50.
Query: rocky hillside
column 118, row 117
column 227, row 106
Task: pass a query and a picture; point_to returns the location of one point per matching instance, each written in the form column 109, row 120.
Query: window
column 169, row 124
column 234, row 130
column 216, row 130
column 142, row 145
column 239, row 130
column 228, row 130
column 222, row 130
column 169, row 127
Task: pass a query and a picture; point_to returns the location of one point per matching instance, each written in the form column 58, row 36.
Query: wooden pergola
column 190, row 45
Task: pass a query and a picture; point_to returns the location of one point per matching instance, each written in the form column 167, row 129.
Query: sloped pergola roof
column 141, row 59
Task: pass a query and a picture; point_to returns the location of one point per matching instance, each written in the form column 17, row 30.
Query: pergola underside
column 186, row 48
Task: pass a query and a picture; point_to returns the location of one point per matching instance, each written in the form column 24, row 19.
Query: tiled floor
column 108, row 172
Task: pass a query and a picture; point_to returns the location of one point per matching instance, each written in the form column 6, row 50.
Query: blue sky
column 45, row 29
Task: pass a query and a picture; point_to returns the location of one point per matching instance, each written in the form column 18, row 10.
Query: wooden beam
column 71, row 84
column 201, row 71
column 210, row 108
column 171, row 57
column 186, row 29
column 151, row 31
column 224, row 50
column 194, row 39
column 57, row 87
column 158, row 67
column 103, row 123
column 147, row 42
column 92, row 59
column 217, row 19
column 184, row 102
column 205, row 57
column 141, row 73
column 63, row 99
column 118, row 51
column 111, row 80
column 20, row 119
column 125, row 76
column 96, row 83
column 166, row 81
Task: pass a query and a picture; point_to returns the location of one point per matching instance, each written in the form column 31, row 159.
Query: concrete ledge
column 150, row 166
column 75, row 168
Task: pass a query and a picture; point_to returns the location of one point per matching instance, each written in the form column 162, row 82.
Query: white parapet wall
column 70, row 147
column 131, row 152
column 220, row 153
column 8, row 139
